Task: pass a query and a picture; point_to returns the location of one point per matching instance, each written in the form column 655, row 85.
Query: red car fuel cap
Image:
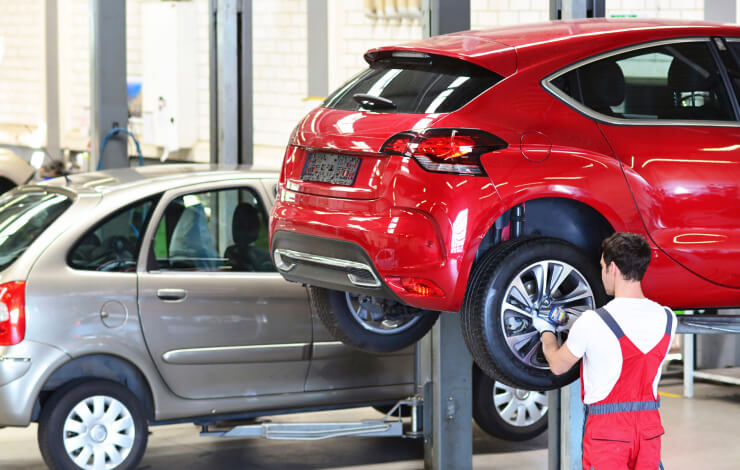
column 535, row 146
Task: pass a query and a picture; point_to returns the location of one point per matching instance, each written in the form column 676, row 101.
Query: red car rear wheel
column 368, row 323
column 511, row 283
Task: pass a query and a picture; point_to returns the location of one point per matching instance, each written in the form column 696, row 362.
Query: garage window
column 222, row 230
column 679, row 81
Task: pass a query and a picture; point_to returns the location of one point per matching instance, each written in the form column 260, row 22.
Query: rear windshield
column 23, row 217
column 434, row 84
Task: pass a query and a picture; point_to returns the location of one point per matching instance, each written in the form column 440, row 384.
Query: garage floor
column 701, row 433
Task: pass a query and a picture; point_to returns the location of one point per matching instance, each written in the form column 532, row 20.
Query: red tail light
column 455, row 151
column 12, row 313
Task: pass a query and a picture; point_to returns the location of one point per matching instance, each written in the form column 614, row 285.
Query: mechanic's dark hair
column 630, row 252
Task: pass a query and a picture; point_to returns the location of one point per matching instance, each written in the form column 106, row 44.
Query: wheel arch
column 98, row 366
column 555, row 217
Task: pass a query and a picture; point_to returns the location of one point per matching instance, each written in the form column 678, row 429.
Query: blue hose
column 112, row 133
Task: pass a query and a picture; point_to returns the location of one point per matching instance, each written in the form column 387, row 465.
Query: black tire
column 522, row 415
column 334, row 310
column 58, row 411
column 483, row 318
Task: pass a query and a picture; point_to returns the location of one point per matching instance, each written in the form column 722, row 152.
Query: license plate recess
column 331, row 168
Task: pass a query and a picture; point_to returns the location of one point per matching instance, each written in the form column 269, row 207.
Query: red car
column 479, row 172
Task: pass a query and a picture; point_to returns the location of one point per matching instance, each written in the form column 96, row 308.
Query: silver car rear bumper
column 24, row 368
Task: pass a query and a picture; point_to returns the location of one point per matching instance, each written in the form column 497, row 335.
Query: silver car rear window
column 23, row 217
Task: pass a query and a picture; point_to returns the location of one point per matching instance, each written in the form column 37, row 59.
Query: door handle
column 171, row 295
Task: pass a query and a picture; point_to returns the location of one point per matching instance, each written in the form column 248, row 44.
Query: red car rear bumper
column 399, row 237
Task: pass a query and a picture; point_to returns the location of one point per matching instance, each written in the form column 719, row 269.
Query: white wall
column 280, row 80
column 22, row 71
column 491, row 13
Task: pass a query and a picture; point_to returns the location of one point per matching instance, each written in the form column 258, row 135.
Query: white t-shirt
column 642, row 321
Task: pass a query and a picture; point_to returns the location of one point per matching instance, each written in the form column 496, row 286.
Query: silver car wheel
column 99, row 433
column 519, row 407
column 536, row 289
column 369, row 313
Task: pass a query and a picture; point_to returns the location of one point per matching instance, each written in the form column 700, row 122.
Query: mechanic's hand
column 553, row 321
column 543, row 323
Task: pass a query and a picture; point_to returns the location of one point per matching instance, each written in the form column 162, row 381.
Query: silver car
column 146, row 296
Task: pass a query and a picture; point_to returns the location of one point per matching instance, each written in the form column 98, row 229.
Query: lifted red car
column 479, row 172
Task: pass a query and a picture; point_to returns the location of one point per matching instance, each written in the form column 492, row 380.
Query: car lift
column 444, row 383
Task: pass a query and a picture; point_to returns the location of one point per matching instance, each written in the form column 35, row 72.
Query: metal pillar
column 318, row 48
column 231, row 81
column 446, row 372
column 570, row 9
column 723, row 11
column 245, row 85
column 445, row 16
column 53, row 145
column 565, row 424
column 108, row 95
column 444, row 366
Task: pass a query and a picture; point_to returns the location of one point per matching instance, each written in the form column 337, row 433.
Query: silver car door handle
column 171, row 295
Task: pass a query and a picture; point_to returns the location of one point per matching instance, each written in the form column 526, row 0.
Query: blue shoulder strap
column 669, row 323
column 610, row 322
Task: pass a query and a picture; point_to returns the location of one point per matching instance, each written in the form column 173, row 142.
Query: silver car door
column 217, row 319
column 335, row 365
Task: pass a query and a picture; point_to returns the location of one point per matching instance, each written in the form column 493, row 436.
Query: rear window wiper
column 373, row 102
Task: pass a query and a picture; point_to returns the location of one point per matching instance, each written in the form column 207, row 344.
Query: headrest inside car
column 602, row 84
column 245, row 226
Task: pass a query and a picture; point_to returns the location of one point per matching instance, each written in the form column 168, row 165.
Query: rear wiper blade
column 373, row 102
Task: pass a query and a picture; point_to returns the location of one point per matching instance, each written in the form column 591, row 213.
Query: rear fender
column 99, row 366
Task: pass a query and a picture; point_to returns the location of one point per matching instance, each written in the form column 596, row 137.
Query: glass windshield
column 23, row 217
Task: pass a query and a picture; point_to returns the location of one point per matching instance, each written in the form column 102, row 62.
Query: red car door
column 686, row 180
column 677, row 137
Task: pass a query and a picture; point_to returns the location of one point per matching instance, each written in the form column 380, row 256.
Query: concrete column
column 246, row 85
column 445, row 16
column 53, row 144
column 722, row 11
column 231, row 81
column 108, row 93
column 570, row 9
column 318, row 48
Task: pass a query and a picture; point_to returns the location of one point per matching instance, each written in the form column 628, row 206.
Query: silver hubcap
column 99, row 433
column 371, row 315
column 536, row 289
column 519, row 407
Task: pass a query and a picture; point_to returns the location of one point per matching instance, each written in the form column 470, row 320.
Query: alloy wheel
column 536, row 289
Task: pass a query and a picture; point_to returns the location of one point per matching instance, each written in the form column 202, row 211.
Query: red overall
column 623, row 430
